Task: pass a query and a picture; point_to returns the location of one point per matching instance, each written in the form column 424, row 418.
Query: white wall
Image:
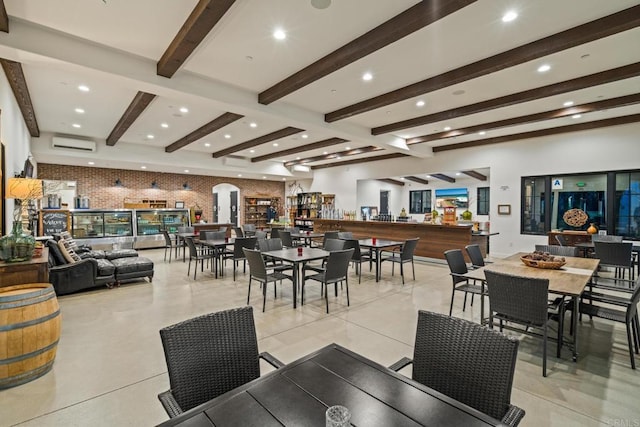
column 15, row 137
column 611, row 148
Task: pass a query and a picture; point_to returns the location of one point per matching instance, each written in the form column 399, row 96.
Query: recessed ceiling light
column 284, row 179
column 305, row 136
column 76, row 125
column 79, row 110
column 186, row 170
column 482, row 132
column 447, row 128
column 164, row 125
column 338, row 157
column 264, row 177
column 83, row 88
column 297, row 158
column 458, row 92
column 568, row 104
column 150, row 136
column 420, row 103
column 367, row 77
column 509, row 16
column 457, row 173
column 325, row 153
column 143, row 167
column 206, row 144
column 184, row 110
column 402, row 178
column 544, row 68
column 227, row 136
column 92, row 163
column 279, row 34
column 240, row 175
column 576, row 116
column 252, row 151
column 428, row 176
column 253, row 124
column 275, row 144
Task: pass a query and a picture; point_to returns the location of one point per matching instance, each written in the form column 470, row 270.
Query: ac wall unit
column 73, row 144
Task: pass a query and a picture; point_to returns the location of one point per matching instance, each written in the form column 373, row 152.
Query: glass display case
column 150, row 223
column 103, row 228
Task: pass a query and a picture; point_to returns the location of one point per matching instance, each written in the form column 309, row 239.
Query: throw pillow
column 66, row 236
column 68, row 252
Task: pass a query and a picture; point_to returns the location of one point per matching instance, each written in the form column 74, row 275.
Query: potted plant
column 466, row 215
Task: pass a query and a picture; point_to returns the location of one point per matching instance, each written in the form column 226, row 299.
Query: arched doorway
column 226, row 204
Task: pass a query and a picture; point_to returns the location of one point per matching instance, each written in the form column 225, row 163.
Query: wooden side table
column 35, row 270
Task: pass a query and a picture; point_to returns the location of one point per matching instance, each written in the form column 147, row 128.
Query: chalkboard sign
column 54, row 221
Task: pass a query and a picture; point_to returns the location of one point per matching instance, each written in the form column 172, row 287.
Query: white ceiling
column 112, row 46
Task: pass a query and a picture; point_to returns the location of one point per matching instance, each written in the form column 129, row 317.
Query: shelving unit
column 328, row 201
column 155, row 204
column 292, row 208
column 258, row 210
column 309, row 207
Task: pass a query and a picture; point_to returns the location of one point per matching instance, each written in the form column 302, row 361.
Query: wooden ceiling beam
column 335, row 155
column 476, row 175
column 356, row 161
column 401, row 25
column 140, row 102
column 200, row 22
column 616, row 121
column 4, row 18
column 279, row 134
column 391, row 181
column 214, row 125
column 443, row 177
column 417, row 179
column 531, row 118
column 585, row 33
column 313, row 146
column 18, row 83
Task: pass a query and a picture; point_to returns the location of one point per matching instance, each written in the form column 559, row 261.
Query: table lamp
column 18, row 245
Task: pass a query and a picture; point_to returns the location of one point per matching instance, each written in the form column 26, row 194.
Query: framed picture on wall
column 504, row 209
column 179, row 205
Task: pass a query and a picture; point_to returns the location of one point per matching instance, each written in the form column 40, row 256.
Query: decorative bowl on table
column 539, row 259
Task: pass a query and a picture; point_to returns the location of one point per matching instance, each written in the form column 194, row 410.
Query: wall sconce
column 118, row 183
column 154, row 185
column 185, row 186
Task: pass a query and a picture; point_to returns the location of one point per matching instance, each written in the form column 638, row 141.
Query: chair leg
column 453, row 292
column 402, row 271
column 464, row 304
column 359, row 272
column 544, row 352
column 264, row 295
column 637, row 322
column 346, row 283
column 560, row 330
column 249, row 292
column 472, row 295
column 413, row 267
column 189, row 268
column 326, row 295
column 631, row 355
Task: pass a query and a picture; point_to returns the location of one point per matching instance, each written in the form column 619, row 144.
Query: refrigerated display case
column 150, row 223
column 103, row 228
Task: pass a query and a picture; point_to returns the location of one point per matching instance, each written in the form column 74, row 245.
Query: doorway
column 384, row 202
column 233, row 214
column 214, row 218
column 225, row 199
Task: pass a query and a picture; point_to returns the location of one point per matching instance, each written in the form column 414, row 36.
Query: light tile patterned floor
column 110, row 365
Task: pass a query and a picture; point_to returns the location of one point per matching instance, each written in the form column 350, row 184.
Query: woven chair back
column 337, row 266
column 475, row 255
column 523, row 299
column 332, row 245
column 257, row 269
column 408, row 248
column 614, row 253
column 559, row 250
column 456, row 263
column 241, row 243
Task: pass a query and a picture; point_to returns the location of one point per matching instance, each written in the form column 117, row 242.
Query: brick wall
column 99, row 185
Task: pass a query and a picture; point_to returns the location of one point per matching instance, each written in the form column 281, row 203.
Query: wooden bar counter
column 434, row 239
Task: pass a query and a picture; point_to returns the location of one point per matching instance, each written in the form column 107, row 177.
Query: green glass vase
column 17, row 246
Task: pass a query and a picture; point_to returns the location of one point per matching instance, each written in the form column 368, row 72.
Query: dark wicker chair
column 336, row 270
column 327, row 235
column 466, row 362
column 458, row 268
column 358, row 257
column 345, row 235
column 198, row 255
column 402, row 256
column 475, row 255
column 169, row 244
column 559, row 250
column 238, row 254
column 616, row 255
column 249, row 230
column 258, row 271
column 208, row 356
column 273, row 245
column 285, row 236
column 524, row 301
column 629, row 316
column 562, row 241
column 238, row 231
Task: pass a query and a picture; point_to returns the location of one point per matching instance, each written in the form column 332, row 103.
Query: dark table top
column 299, row 394
column 292, row 254
column 380, row 243
column 217, row 242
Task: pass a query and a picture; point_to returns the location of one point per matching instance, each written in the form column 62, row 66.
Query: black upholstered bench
column 130, row 268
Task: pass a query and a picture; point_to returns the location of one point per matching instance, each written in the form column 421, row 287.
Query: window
column 483, row 201
column 627, row 205
column 533, row 199
column 420, row 201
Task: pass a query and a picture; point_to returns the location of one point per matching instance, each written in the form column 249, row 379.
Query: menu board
column 54, row 222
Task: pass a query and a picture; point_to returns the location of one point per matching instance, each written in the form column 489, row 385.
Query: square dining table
column 299, row 394
column 568, row 281
column 218, row 245
column 306, row 237
column 378, row 246
column 296, row 258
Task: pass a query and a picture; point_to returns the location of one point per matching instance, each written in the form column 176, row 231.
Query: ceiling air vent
column 73, row 144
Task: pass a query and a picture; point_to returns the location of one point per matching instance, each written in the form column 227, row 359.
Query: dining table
column 570, row 280
column 306, row 236
column 296, row 257
column 180, row 242
column 378, row 245
column 299, row 394
column 218, row 246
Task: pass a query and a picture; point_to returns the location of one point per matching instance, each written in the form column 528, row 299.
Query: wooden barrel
column 29, row 332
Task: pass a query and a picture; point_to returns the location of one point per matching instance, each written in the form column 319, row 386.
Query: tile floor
column 110, row 364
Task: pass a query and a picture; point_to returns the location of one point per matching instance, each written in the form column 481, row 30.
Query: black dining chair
column 467, row 362
column 402, row 256
column 524, row 301
column 335, row 271
column 209, row 355
column 327, row 235
column 249, row 230
column 237, row 255
column 458, row 268
column 169, row 244
column 199, row 255
column 258, row 272
column 559, row 250
column 475, row 255
column 238, row 231
column 616, row 255
column 358, row 256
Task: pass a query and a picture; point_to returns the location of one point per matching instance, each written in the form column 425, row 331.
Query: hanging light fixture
column 186, row 186
column 118, row 183
column 154, row 185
